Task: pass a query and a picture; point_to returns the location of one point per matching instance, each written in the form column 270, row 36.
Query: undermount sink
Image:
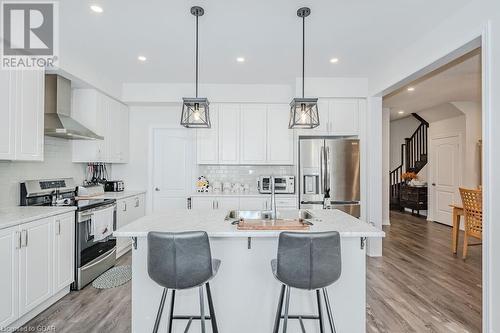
column 266, row 215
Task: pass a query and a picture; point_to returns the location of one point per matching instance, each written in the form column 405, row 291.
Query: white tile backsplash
column 243, row 174
column 57, row 164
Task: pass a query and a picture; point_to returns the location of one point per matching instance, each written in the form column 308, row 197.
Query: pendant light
column 303, row 111
column 195, row 110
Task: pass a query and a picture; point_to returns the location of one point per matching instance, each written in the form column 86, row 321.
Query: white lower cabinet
column 39, row 257
column 64, row 239
column 9, row 278
column 228, row 203
column 127, row 211
column 255, row 203
column 221, row 203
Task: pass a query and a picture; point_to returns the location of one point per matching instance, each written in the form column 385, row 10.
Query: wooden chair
column 472, row 201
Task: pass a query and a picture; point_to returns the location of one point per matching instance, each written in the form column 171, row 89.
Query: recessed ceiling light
column 401, row 112
column 411, row 89
column 142, row 58
column 334, row 60
column 96, row 8
column 240, row 59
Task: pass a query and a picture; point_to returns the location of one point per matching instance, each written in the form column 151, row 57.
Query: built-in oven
column 92, row 257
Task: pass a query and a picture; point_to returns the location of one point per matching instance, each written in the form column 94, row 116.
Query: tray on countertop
column 285, row 224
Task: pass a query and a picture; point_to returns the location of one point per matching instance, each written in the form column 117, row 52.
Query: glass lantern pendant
column 303, row 111
column 195, row 110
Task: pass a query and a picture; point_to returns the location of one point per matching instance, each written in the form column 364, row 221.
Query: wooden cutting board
column 272, row 225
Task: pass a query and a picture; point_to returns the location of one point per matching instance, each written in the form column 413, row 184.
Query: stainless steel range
column 94, row 253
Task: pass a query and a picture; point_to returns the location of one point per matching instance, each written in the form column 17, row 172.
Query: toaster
column 114, row 186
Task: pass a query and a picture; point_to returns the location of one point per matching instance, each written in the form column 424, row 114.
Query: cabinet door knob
column 157, row 189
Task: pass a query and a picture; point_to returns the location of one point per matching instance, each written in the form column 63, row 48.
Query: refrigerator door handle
column 321, row 171
column 328, row 172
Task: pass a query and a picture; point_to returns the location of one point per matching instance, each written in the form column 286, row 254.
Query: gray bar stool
column 309, row 261
column 180, row 261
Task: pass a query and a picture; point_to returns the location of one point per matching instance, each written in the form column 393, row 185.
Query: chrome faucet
column 273, row 199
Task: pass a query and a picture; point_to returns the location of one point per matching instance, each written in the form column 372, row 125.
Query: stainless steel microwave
column 282, row 184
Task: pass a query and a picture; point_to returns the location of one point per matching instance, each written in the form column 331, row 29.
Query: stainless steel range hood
column 58, row 121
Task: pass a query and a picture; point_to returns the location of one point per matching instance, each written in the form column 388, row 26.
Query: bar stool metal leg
column 320, row 312
column 202, row 310
column 160, row 310
column 329, row 310
column 287, row 305
column 171, row 318
column 278, row 312
column 213, row 320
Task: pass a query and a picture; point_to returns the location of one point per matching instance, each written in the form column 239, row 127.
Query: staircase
column 413, row 159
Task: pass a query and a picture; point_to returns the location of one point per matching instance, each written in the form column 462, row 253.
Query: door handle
column 136, row 202
column 24, row 235
column 19, row 244
column 433, row 184
column 124, row 206
column 58, row 232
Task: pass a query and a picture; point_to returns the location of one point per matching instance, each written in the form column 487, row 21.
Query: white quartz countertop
column 16, row 215
column 214, row 223
column 118, row 195
column 241, row 194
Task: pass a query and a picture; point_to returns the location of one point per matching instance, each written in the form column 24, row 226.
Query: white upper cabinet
column 337, row 116
column 324, row 118
column 207, row 140
column 344, row 116
column 247, row 134
column 253, row 132
column 229, row 134
column 106, row 117
column 279, row 136
column 22, row 108
column 7, row 113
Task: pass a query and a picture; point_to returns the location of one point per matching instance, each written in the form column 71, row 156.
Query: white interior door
column 172, row 168
column 446, row 168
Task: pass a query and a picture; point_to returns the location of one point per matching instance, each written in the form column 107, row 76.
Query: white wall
column 142, row 120
column 57, row 164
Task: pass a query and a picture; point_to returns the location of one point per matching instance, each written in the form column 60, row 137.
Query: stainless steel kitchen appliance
column 282, row 184
column 92, row 258
column 329, row 165
column 114, row 186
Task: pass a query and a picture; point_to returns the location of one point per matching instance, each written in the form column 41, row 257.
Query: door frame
column 150, row 163
column 490, row 267
column 430, row 167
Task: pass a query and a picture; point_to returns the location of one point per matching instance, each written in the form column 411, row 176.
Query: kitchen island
column 245, row 292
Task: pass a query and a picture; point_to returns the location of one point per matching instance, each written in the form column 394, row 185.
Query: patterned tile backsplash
column 243, row 174
column 56, row 164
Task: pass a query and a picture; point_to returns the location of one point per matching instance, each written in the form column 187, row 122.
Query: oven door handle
column 99, row 260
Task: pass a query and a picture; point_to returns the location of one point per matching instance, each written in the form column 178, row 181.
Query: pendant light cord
column 196, row 56
column 303, row 52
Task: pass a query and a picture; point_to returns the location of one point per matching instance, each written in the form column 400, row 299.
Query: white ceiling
column 458, row 81
column 361, row 33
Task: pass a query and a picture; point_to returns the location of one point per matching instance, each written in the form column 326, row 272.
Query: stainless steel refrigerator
column 329, row 165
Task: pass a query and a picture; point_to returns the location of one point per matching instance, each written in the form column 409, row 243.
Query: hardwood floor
column 90, row 310
column 417, row 286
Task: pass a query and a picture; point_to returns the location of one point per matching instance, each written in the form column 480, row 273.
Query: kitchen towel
column 102, row 223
